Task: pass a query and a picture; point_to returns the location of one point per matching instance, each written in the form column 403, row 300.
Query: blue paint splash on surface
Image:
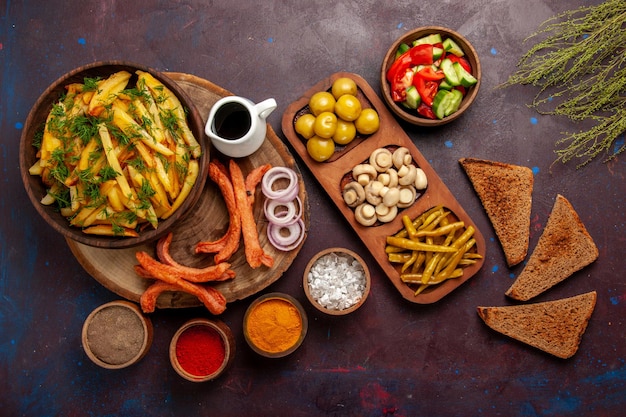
column 533, row 120
column 614, row 300
column 535, row 170
column 270, row 40
column 448, row 143
column 399, row 26
column 494, row 268
column 19, row 125
column 618, row 144
column 494, row 51
column 82, row 41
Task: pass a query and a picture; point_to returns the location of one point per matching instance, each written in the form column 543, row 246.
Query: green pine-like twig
column 580, row 69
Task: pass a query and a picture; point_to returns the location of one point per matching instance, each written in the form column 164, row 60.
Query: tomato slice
column 428, row 73
column 464, row 62
column 427, row 89
column 426, row 111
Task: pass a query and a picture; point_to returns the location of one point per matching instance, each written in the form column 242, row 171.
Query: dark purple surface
column 391, row 357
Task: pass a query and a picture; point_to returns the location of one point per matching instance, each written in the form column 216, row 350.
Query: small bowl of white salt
column 336, row 281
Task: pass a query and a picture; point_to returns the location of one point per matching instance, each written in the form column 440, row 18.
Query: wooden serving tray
column 331, row 173
column 207, row 220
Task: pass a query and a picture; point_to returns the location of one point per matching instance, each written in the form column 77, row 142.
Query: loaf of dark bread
column 505, row 192
column 563, row 248
column 556, row 327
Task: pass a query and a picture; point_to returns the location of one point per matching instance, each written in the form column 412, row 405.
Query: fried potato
column 117, row 156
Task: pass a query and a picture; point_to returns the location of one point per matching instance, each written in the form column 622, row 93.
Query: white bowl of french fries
column 112, row 154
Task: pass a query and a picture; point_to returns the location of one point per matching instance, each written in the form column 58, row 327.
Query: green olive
column 343, row 85
column 348, row 107
column 304, row 125
column 320, row 149
column 345, row 132
column 368, row 122
column 325, row 125
column 321, row 102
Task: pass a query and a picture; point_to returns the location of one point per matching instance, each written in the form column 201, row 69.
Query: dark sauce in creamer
column 232, row 121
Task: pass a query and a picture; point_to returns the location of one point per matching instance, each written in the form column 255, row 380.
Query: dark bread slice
column 563, row 248
column 556, row 327
column 505, row 191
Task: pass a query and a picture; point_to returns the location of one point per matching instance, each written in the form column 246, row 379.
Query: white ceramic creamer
column 236, row 126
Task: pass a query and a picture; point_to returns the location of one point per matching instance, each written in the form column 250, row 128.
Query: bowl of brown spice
column 275, row 325
column 116, row 335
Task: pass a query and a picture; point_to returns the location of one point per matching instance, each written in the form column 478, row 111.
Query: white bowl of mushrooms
column 383, row 185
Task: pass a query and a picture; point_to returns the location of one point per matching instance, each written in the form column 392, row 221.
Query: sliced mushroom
column 391, row 197
column 391, row 214
column 401, row 156
column 353, row 194
column 407, row 176
column 364, row 173
column 372, row 192
column 365, row 214
column 381, row 159
column 421, row 182
column 407, row 196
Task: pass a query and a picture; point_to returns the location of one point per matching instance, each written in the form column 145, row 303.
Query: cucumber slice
column 413, row 98
column 452, row 78
column 437, row 53
column 402, row 49
column 432, row 39
column 465, row 78
column 441, row 102
column 452, row 47
column 455, row 102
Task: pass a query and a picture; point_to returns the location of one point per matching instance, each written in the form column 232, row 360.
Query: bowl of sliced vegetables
column 430, row 76
column 112, row 154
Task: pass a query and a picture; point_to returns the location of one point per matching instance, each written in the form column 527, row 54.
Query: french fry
column 109, row 176
column 108, row 89
column 109, row 151
column 128, row 125
column 170, row 102
column 110, row 230
column 190, row 180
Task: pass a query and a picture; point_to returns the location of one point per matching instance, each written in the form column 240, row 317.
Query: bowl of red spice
column 202, row 349
column 336, row 281
column 275, row 325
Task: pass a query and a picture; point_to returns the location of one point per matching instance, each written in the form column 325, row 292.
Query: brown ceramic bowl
column 34, row 125
column 116, row 335
column 412, row 116
column 334, row 266
column 260, row 339
column 211, row 327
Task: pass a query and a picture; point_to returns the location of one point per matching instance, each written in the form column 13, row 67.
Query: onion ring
column 292, row 240
column 293, row 212
column 286, row 194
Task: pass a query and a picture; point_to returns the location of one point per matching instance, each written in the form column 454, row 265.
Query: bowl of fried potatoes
column 113, row 154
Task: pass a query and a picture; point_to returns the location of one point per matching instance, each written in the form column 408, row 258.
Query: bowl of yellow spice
column 275, row 325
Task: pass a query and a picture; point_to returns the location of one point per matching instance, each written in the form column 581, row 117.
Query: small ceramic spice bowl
column 116, row 335
column 336, row 281
column 202, row 349
column 275, row 325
